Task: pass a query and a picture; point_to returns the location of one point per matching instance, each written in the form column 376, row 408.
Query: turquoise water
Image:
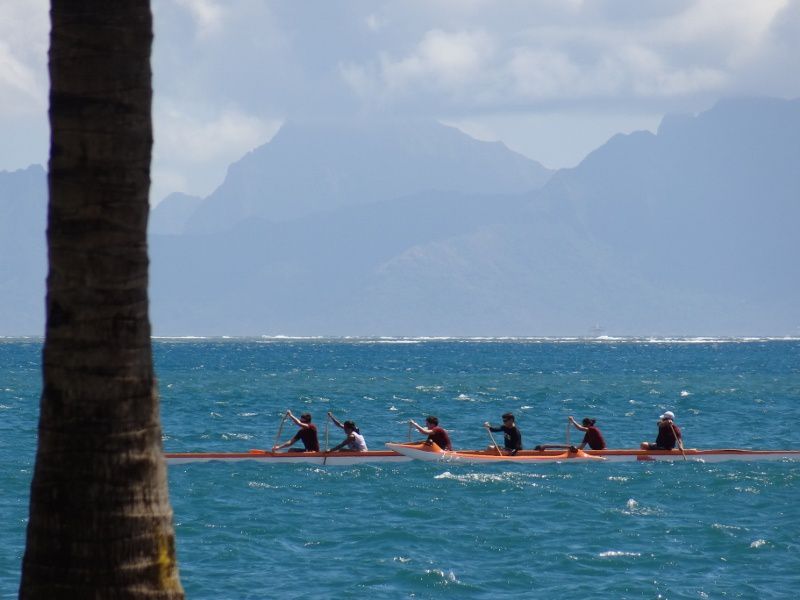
column 413, row 530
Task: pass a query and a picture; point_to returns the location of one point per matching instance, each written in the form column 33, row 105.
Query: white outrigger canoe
column 265, row 456
column 433, row 453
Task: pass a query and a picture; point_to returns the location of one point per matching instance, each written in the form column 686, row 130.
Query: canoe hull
column 314, row 458
column 433, row 453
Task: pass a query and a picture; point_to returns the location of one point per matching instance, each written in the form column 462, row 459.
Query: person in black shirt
column 512, row 437
column 307, row 433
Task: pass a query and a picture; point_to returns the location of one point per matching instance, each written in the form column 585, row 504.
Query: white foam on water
column 447, row 577
column 236, row 436
column 726, row 528
column 261, row 485
column 429, row 388
column 632, row 507
column 505, row 477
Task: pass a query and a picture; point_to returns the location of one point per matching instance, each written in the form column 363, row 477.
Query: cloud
column 226, row 72
column 208, row 15
column 21, row 89
column 448, row 57
column 374, row 22
column 583, row 52
column 23, row 56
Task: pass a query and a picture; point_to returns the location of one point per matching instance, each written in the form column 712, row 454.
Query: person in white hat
column 669, row 434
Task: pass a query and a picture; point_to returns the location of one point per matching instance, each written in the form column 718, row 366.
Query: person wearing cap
column 354, row 442
column 669, row 434
column 512, row 437
column 307, row 434
column 592, row 435
column 436, row 435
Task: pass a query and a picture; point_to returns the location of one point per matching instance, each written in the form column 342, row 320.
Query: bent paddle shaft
column 678, row 441
column 496, row 447
column 280, row 429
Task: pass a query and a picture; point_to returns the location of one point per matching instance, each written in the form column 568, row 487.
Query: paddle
column 327, row 420
column 678, row 440
column 489, row 431
column 280, row 429
column 568, row 428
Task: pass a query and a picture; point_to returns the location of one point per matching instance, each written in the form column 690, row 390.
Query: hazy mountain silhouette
column 23, row 254
column 431, row 264
column 711, row 204
column 321, row 166
column 689, row 231
column 171, row 214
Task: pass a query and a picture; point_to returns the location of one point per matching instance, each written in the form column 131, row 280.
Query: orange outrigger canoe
column 405, row 452
column 433, row 453
column 265, row 456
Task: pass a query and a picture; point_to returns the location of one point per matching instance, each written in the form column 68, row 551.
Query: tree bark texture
column 100, row 520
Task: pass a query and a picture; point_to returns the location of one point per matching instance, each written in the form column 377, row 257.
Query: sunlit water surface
column 413, row 530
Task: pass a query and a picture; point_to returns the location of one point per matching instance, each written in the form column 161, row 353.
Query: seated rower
column 512, row 437
column 592, row 436
column 436, row 434
column 307, row 433
column 669, row 434
column 354, row 442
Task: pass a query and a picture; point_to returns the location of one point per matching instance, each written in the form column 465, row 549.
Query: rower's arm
column 338, row 447
column 577, row 426
column 285, row 444
column 335, row 421
column 299, row 423
column 294, row 419
column 420, row 428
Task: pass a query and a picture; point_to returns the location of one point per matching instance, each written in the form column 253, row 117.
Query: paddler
column 512, row 437
column 436, row 434
column 669, row 434
column 307, row 433
column 592, row 436
column 354, row 442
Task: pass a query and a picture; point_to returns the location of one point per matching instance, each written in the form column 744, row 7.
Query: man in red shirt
column 592, row 436
column 669, row 434
column 307, row 434
column 435, row 434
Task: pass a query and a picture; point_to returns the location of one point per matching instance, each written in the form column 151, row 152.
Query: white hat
column 668, row 415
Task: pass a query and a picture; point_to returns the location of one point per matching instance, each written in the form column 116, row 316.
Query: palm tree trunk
column 100, row 520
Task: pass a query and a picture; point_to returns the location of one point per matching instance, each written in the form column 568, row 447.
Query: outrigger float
column 405, row 452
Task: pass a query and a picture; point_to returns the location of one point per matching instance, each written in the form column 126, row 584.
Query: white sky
column 553, row 79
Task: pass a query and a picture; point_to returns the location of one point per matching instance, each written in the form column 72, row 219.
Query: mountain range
column 414, row 228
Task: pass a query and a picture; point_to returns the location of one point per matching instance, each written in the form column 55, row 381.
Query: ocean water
column 415, row 530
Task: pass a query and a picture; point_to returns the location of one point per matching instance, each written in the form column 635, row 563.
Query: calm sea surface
column 413, row 530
